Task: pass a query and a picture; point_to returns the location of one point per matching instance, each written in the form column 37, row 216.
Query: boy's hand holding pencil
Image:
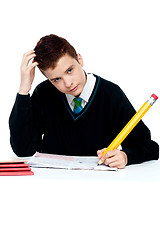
column 113, row 158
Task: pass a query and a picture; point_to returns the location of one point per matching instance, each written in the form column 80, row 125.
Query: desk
column 75, row 204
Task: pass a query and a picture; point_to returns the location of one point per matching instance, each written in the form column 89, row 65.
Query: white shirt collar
column 87, row 90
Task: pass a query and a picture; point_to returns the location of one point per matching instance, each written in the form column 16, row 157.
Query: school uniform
column 45, row 122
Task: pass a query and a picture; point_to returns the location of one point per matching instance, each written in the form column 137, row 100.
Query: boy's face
column 68, row 76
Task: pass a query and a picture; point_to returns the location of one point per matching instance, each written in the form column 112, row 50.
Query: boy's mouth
column 74, row 89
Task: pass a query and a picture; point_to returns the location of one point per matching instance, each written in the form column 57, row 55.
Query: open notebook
column 67, row 162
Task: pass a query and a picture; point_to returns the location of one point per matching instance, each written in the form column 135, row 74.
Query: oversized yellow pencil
column 130, row 125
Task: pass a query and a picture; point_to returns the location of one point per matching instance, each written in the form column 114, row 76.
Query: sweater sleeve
column 26, row 126
column 138, row 145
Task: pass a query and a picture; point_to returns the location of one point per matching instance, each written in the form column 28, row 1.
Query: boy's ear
column 80, row 59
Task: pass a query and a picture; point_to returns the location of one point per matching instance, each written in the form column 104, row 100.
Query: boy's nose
column 67, row 82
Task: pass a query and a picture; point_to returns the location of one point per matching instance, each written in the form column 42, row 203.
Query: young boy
column 72, row 112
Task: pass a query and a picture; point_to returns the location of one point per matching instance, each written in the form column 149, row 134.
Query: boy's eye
column 56, row 79
column 70, row 70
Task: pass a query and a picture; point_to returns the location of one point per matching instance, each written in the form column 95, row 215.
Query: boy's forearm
column 22, row 130
column 27, row 72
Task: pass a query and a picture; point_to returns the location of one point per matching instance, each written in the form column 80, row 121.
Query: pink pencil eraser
column 154, row 96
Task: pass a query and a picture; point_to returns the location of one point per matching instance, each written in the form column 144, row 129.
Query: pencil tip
column 100, row 162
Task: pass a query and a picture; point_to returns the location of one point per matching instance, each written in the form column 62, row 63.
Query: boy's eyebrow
column 52, row 79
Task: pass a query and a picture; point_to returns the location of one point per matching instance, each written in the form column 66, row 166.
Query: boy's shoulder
column 45, row 87
column 108, row 86
column 107, row 82
column 44, row 84
column 110, row 91
column 45, row 91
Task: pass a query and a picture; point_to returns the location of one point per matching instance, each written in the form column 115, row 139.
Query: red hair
column 50, row 48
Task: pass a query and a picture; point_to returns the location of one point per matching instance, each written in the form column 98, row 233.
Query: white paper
column 67, row 162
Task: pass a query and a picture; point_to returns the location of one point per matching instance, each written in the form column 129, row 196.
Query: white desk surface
column 76, row 204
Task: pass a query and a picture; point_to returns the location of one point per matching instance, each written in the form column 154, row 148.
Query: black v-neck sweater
column 44, row 122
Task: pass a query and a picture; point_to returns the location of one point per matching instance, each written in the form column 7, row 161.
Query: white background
column 119, row 40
